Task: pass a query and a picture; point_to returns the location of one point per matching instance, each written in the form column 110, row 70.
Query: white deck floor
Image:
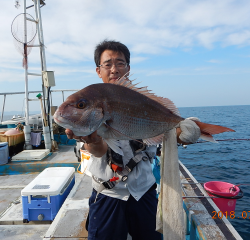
column 73, row 211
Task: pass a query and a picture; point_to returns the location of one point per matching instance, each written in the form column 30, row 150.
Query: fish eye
column 81, row 104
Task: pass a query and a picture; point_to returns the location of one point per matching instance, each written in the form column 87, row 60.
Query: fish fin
column 154, row 141
column 208, row 137
column 118, row 134
column 211, row 129
column 114, row 145
column 126, row 82
column 115, row 133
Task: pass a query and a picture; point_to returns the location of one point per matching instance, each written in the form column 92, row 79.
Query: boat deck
column 64, row 157
column 71, row 218
column 14, row 176
column 74, row 210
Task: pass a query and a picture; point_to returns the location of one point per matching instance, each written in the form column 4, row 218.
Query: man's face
column 114, row 58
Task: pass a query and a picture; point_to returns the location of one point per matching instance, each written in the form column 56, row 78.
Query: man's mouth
column 113, row 79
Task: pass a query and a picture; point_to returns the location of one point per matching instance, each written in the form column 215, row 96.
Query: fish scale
column 136, row 116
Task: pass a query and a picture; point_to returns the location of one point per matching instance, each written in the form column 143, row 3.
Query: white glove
column 190, row 132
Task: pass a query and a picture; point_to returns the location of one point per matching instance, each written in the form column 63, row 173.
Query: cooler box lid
column 37, row 154
column 2, row 144
column 49, row 182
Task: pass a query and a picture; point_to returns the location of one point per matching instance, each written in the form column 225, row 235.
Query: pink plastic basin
column 225, row 193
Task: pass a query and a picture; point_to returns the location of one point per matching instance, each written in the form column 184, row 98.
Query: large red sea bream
column 122, row 111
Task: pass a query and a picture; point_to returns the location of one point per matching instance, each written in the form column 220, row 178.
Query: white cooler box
column 43, row 197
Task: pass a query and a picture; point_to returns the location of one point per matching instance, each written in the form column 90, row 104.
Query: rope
column 229, row 139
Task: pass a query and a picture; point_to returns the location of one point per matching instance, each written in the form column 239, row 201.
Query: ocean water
column 227, row 161
column 7, row 117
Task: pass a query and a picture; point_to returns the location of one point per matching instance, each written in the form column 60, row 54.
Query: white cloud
column 10, row 77
column 64, row 50
column 146, row 26
column 214, row 61
column 67, row 71
column 239, row 38
column 137, row 59
column 73, row 28
column 208, row 37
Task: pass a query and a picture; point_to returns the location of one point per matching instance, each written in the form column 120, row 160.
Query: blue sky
column 194, row 52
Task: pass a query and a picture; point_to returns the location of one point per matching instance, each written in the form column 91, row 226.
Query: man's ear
column 98, row 72
column 128, row 68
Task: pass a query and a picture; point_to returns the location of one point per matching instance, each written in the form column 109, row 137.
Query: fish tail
column 207, row 130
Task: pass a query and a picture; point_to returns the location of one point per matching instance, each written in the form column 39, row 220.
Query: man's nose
column 114, row 68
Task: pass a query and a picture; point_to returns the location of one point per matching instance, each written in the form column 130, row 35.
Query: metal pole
column 3, row 107
column 51, row 98
column 44, row 68
column 39, row 34
column 26, row 71
column 42, row 50
column 38, row 20
column 37, row 5
column 27, row 126
column 51, row 123
column 63, row 95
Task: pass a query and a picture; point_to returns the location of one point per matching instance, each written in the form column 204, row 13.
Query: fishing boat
column 203, row 219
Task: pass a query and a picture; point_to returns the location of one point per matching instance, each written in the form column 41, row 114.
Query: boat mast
column 25, row 69
column 40, row 34
column 27, row 126
column 47, row 121
column 48, row 130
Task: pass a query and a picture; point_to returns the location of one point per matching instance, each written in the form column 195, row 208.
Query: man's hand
column 92, row 138
column 188, row 132
column 93, row 143
column 178, row 133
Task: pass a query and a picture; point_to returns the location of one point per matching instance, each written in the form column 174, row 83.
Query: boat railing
column 15, row 93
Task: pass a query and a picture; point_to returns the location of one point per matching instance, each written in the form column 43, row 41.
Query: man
column 128, row 206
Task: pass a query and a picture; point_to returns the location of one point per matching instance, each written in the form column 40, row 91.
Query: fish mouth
column 61, row 121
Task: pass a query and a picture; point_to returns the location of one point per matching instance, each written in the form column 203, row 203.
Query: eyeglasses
column 109, row 65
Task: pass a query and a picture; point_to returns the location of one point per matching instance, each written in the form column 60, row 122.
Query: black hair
column 110, row 45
